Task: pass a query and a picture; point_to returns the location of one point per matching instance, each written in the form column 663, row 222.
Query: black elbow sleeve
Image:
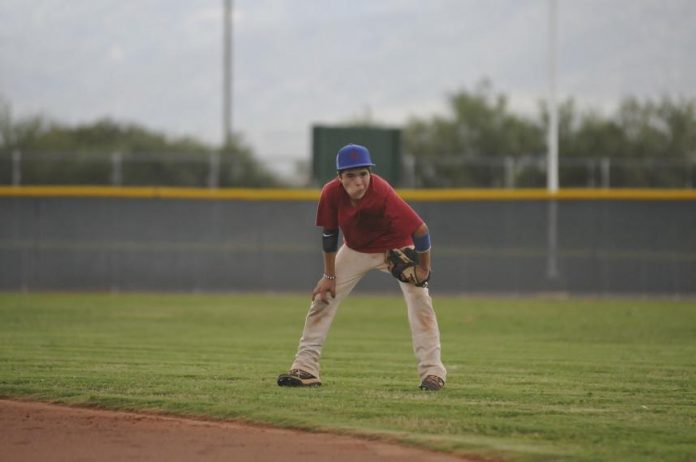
column 329, row 239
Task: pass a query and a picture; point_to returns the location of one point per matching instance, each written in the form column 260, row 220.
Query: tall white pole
column 552, row 141
column 227, row 74
column 552, row 267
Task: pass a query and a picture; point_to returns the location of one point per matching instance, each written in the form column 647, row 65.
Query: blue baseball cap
column 353, row 156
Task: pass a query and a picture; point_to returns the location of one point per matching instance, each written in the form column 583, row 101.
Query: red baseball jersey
column 380, row 221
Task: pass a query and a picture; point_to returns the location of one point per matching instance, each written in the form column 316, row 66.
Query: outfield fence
column 581, row 241
column 212, row 170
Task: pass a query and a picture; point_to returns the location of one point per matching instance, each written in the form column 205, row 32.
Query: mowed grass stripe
column 529, row 379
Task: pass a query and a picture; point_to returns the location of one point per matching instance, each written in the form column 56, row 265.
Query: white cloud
column 116, row 53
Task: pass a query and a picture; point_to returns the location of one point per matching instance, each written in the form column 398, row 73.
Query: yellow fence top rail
column 250, row 194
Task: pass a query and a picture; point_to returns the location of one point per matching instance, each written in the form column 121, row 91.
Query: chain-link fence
column 214, row 170
column 211, row 170
column 530, row 172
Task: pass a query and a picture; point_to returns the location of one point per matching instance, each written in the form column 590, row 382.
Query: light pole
column 552, row 267
column 227, row 74
column 552, row 138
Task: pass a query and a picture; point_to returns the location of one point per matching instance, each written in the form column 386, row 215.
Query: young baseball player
column 380, row 231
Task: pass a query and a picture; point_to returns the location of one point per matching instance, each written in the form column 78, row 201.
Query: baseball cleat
column 298, row 378
column 432, row 383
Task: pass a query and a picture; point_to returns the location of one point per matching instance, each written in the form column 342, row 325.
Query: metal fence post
column 509, row 166
column 116, row 169
column 214, row 170
column 605, row 167
column 16, row 167
column 408, row 164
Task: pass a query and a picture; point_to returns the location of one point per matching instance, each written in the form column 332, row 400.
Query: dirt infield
column 36, row 431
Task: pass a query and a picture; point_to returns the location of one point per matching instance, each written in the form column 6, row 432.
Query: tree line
column 55, row 153
column 649, row 142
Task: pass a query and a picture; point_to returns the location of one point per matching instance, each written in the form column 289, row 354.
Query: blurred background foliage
column 637, row 137
column 55, row 153
column 479, row 142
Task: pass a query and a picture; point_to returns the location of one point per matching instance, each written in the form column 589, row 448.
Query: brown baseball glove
column 402, row 265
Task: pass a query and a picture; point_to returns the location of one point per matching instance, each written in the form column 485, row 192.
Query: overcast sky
column 298, row 62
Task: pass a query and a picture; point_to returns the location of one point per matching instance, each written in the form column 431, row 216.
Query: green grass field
column 529, row 379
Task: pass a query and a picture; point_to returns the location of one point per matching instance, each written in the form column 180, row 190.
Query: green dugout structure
column 384, row 143
column 594, row 242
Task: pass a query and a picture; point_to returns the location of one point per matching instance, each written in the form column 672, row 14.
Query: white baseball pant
column 351, row 266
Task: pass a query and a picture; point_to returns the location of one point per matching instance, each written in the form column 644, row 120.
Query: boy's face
column 355, row 181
